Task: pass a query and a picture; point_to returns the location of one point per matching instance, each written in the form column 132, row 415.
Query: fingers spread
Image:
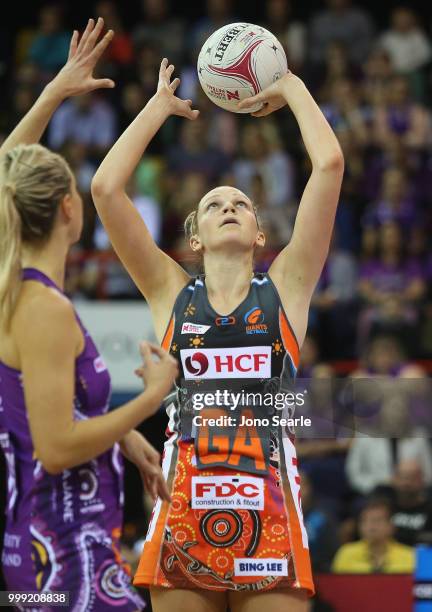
column 86, row 33
column 192, row 114
column 93, row 36
column 101, row 46
column 175, row 84
column 73, row 44
column 103, row 84
column 248, row 102
column 145, row 351
column 157, row 350
column 169, row 71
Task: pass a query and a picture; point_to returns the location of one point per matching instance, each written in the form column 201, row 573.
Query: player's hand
column 158, row 376
column 271, row 98
column 139, row 451
column 166, row 93
column 76, row 76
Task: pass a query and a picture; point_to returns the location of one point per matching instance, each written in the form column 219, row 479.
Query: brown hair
column 33, row 181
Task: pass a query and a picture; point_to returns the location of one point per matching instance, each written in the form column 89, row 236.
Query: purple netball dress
column 62, row 531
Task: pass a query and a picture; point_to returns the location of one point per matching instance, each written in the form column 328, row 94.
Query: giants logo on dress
column 260, row 567
column 194, row 328
column 99, row 365
column 227, row 492
column 238, row 362
column 254, row 320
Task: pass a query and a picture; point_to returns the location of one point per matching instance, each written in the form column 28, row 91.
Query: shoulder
column 41, row 312
column 351, row 549
column 402, row 550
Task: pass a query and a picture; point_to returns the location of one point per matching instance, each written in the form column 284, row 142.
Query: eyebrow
column 212, row 198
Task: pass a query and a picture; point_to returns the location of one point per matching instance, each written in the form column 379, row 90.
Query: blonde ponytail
column 33, row 182
column 10, row 253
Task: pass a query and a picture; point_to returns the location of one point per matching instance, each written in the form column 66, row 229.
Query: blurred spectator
column 291, row 34
column 224, row 132
column 263, row 155
column 386, row 409
column 376, row 552
column 399, row 114
column 148, row 209
column 149, row 177
column 147, row 59
column 217, row 14
column 336, row 66
column 192, row 153
column 406, row 43
column 162, row 30
column 23, row 99
column 344, row 111
column 378, row 71
column 344, row 22
column 391, row 287
column 411, row 502
column 371, row 461
column 50, row 48
column 333, row 306
column 320, row 527
column 320, row 451
column 120, row 52
column 396, row 203
column 277, row 222
column 76, row 154
column 411, row 183
column 184, row 193
column 133, row 101
column 87, row 120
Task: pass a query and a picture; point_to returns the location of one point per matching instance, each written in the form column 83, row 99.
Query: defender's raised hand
column 76, row 76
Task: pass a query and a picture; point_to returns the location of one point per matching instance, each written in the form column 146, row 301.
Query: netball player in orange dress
column 233, row 532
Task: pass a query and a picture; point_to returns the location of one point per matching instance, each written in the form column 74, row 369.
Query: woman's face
column 226, row 218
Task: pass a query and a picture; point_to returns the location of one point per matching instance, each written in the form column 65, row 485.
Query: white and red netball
column 238, row 61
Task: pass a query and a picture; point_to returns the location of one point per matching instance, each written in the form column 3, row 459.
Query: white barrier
column 117, row 328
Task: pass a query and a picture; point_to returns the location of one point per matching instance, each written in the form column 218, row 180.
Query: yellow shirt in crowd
column 354, row 558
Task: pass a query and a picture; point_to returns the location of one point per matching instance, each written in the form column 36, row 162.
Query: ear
column 195, row 243
column 260, row 239
column 66, row 207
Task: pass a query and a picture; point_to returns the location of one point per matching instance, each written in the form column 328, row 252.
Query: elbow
column 52, row 467
column 53, row 463
column 103, row 188
column 333, row 163
column 99, row 188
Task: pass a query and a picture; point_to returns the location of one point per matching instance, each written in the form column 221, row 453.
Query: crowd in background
column 373, row 301
column 376, row 94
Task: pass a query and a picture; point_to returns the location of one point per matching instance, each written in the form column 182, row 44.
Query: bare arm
column 75, row 78
column 157, row 276
column 298, row 267
column 47, row 356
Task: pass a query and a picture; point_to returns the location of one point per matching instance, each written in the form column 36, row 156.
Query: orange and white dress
column 235, row 520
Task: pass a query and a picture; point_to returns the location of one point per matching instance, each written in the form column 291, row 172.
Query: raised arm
column 158, row 277
column 297, row 268
column 75, row 78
